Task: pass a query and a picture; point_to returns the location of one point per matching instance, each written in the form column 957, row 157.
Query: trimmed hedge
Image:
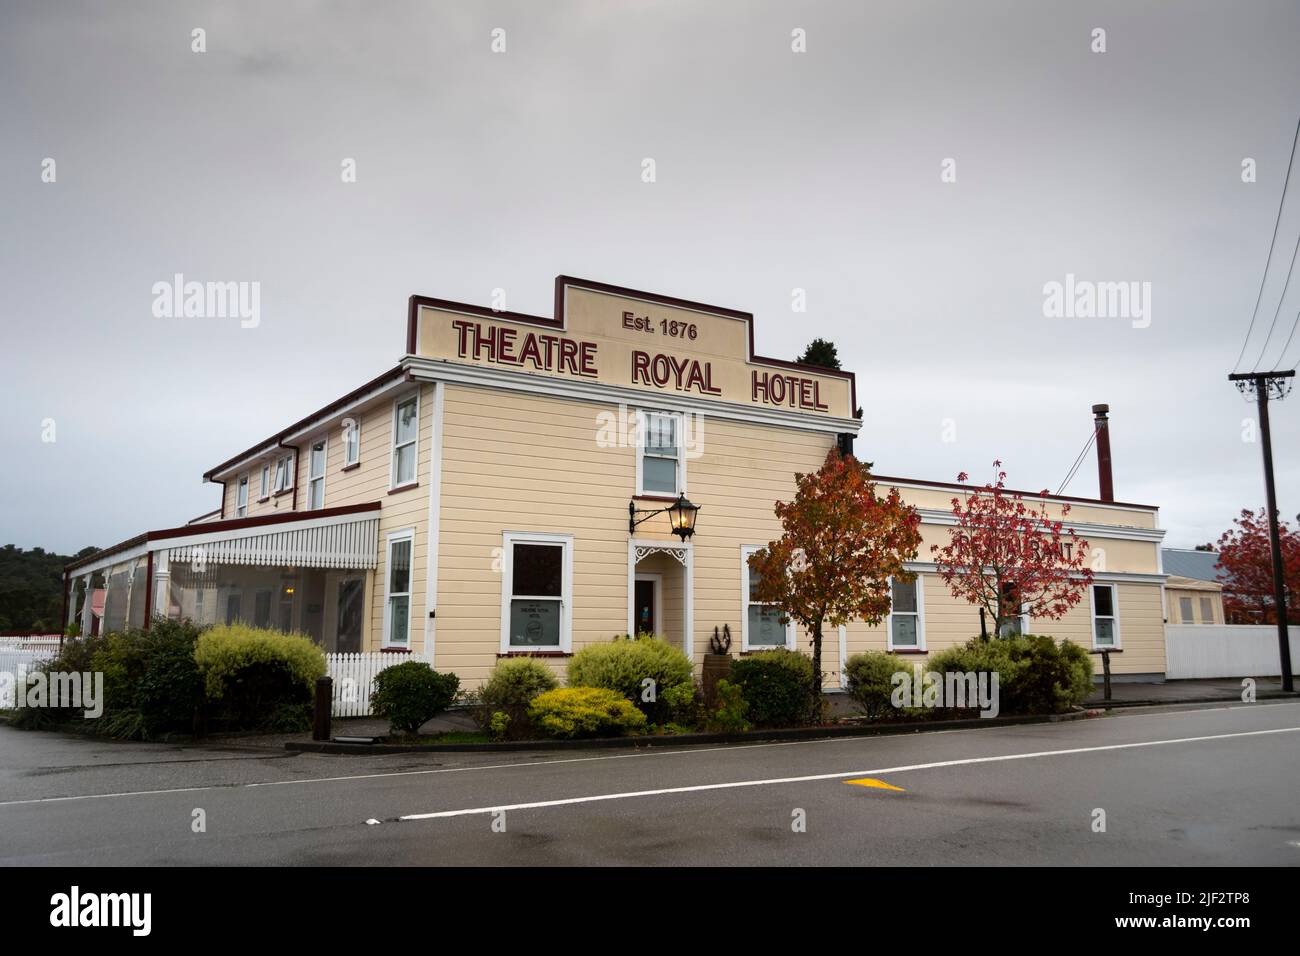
column 411, row 694
column 624, row 665
column 508, row 691
column 870, row 680
column 1036, row 674
column 570, row 712
column 775, row 685
column 259, row 678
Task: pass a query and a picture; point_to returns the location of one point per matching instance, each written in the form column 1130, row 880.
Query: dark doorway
column 643, row 608
column 351, row 602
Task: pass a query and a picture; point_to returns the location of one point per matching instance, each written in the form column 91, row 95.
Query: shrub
column 1036, row 675
column 776, row 686
column 729, row 718
column 870, row 680
column 510, row 688
column 411, row 694
column 683, row 704
column 585, row 712
column 169, row 694
column 151, row 684
column 259, row 678
column 625, row 665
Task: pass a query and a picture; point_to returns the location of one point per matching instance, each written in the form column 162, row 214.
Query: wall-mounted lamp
column 681, row 516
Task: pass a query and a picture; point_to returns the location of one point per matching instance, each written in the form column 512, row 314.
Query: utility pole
column 1263, row 383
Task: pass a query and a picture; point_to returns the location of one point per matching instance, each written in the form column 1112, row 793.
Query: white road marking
column 541, row 763
column 877, row 772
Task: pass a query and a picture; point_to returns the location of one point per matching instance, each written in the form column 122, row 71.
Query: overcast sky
column 775, row 171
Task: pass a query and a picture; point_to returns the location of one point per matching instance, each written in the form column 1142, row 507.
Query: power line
column 1277, row 222
column 1285, row 285
column 1281, row 359
column 1078, row 461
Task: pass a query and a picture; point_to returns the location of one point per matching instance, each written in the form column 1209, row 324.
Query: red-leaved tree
column 840, row 545
column 1011, row 558
column 1246, row 570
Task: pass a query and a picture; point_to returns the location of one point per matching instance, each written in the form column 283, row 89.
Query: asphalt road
column 1190, row 787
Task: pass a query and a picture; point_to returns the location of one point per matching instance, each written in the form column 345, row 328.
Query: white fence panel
column 354, row 675
column 1225, row 650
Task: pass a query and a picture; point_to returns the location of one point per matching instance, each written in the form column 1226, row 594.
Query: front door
column 643, row 607
column 350, row 608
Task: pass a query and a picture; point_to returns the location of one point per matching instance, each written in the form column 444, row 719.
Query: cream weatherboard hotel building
column 496, row 493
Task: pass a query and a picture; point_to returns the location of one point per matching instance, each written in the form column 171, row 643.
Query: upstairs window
column 283, row 474
column 351, row 442
column 659, row 461
column 1207, row 611
column 316, row 477
column 241, row 497
column 406, row 427
column 266, row 482
column 1185, row 610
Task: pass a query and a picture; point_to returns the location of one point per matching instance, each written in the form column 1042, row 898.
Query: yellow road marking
column 878, row 784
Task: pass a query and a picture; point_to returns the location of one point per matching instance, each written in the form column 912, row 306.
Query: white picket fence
column 18, row 656
column 1226, row 650
column 354, row 676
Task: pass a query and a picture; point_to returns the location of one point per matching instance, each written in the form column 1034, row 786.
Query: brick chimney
column 1105, row 483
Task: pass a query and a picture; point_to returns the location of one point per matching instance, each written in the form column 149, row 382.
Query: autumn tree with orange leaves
column 841, row 544
column 1010, row 558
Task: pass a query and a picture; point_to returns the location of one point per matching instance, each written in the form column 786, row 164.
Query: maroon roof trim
column 333, row 406
column 1011, row 491
column 230, row 524
column 557, row 322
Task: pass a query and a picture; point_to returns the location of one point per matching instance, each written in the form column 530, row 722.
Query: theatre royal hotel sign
column 630, row 340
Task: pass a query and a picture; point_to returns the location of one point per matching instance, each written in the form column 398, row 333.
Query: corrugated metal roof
column 1201, row 565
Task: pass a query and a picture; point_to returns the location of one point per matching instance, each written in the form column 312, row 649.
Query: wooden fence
column 354, row 676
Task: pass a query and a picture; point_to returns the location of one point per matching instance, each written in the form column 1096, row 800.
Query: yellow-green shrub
column 585, row 712
column 223, row 651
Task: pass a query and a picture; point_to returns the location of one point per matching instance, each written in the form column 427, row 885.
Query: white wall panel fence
column 354, row 675
column 1226, row 650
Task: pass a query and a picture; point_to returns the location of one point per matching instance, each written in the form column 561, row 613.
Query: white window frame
column 1190, row 616
column 284, row 474
column 1207, row 605
column 241, row 497
column 745, row 551
column 919, row 614
column 642, row 430
column 266, row 483
column 1114, row 606
column 313, row 478
column 401, row 534
column 354, row 448
column 508, row 541
column 414, row 443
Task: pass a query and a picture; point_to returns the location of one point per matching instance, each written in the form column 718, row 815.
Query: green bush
column 683, row 702
column 259, row 678
column 508, row 691
column 585, row 712
column 776, row 686
column 870, row 680
column 625, row 665
column 169, row 694
column 151, row 683
column 411, row 694
column 729, row 718
column 1036, row 674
